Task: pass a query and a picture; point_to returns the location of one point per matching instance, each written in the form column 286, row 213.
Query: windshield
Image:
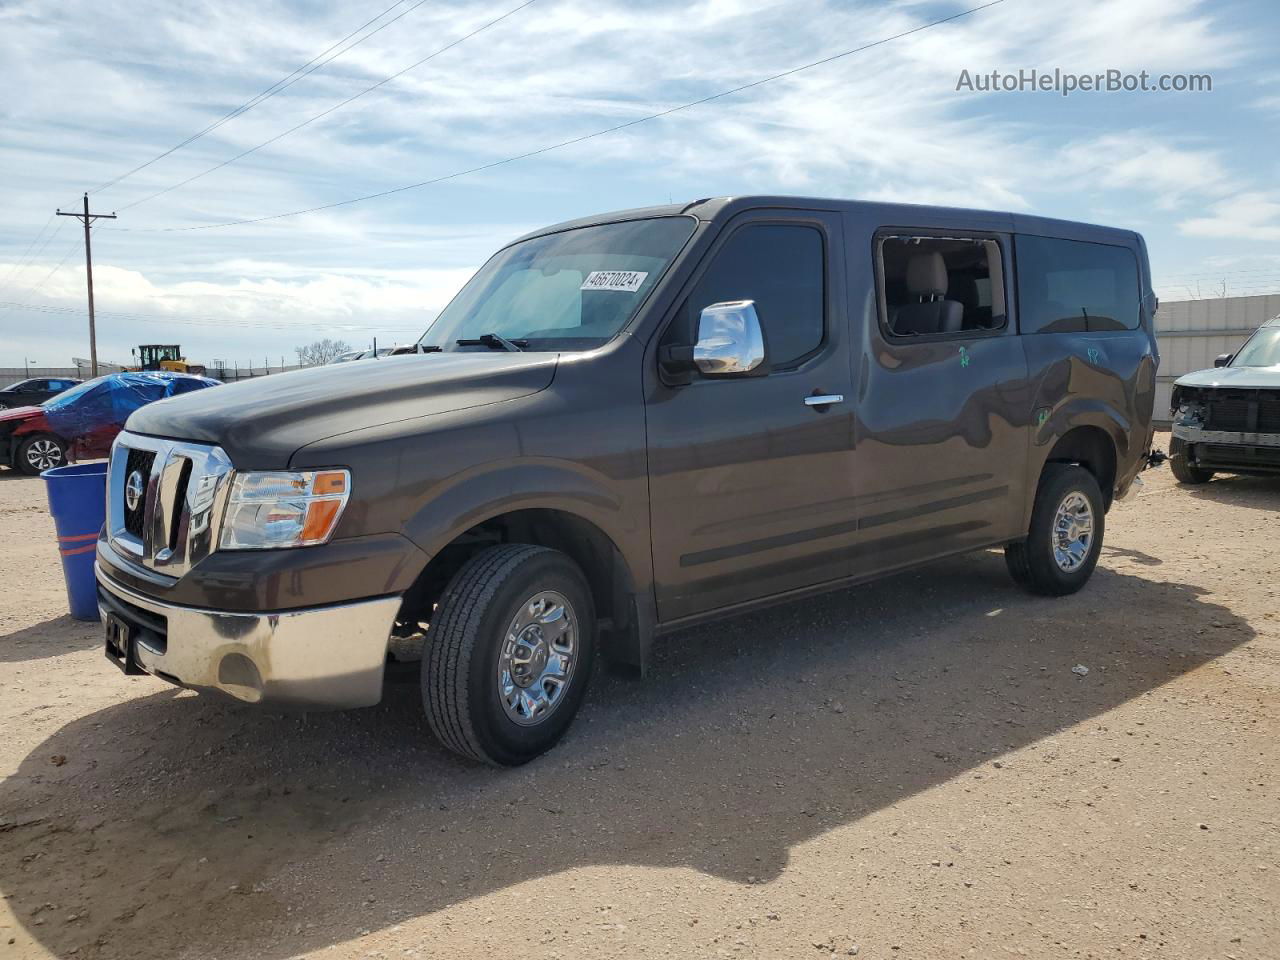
column 1261, row 350
column 566, row 291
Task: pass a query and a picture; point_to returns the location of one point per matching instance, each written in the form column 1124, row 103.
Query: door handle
column 824, row 399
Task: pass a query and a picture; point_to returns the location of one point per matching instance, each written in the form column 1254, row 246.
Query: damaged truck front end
column 1228, row 419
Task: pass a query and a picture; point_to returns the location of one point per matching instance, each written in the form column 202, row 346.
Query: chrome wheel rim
column 44, row 454
column 1072, row 532
column 535, row 665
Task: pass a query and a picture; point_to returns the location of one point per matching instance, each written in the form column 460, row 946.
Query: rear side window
column 1067, row 286
column 780, row 267
column 939, row 286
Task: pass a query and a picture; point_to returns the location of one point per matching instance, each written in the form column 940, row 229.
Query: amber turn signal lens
column 321, row 516
column 329, row 482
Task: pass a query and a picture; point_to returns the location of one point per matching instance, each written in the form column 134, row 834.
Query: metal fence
column 1191, row 333
column 10, row 375
column 229, row 374
column 234, row 373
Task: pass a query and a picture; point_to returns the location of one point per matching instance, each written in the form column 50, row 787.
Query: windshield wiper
column 494, row 342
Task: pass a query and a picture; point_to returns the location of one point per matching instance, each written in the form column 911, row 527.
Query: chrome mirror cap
column 729, row 339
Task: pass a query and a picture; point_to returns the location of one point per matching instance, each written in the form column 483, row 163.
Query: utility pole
column 87, row 218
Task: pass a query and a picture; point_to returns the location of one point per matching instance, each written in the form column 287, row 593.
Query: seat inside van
column 941, row 285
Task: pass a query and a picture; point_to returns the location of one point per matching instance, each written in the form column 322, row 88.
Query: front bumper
column 326, row 658
column 1229, row 450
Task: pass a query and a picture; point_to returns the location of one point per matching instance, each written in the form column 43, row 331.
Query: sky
column 96, row 89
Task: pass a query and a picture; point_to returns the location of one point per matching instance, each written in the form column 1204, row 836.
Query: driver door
column 751, row 483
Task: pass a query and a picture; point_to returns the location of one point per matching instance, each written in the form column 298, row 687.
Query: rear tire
column 508, row 654
column 40, row 452
column 1183, row 471
column 1058, row 556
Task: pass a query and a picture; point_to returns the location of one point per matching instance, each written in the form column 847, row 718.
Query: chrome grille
column 176, row 523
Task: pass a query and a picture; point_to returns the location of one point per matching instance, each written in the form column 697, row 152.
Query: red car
column 81, row 423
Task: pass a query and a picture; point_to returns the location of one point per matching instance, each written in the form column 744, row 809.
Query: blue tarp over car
column 108, row 401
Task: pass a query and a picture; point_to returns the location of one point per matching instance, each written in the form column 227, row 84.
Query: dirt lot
column 908, row 770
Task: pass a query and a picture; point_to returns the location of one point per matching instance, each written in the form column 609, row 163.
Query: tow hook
column 1155, row 458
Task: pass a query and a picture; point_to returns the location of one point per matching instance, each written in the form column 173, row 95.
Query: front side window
column 781, row 268
column 940, row 286
column 565, row 291
column 1071, row 286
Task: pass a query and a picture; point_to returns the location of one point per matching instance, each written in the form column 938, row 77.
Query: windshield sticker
column 623, row 281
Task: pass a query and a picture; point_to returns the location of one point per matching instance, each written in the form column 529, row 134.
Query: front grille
column 175, row 524
column 1241, row 411
column 1232, row 414
column 138, row 461
column 1269, row 415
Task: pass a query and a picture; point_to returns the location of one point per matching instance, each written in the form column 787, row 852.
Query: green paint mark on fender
column 1042, row 417
column 1093, row 355
column 964, row 357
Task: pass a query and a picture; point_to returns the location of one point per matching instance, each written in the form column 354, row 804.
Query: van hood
column 1245, row 378
column 260, row 423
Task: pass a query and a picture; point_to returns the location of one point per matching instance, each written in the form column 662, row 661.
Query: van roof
column 905, row 214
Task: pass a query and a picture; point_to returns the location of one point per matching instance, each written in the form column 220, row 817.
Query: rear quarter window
column 1074, row 286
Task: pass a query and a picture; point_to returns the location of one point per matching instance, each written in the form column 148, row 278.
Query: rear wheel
column 1065, row 538
column 508, row 654
column 42, row 452
column 1183, row 471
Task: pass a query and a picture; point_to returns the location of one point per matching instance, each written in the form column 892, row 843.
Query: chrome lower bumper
column 315, row 658
column 1227, row 437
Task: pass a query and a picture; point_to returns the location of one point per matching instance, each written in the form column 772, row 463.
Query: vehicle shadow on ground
column 179, row 825
column 1260, row 493
column 51, row 638
column 1137, row 556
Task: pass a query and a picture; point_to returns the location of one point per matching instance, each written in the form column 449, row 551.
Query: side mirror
column 1223, row 359
column 730, row 340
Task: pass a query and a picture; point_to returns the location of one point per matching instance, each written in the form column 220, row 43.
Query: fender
column 483, row 493
column 1073, row 412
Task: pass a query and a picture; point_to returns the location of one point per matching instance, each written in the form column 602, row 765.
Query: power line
column 30, row 261
column 21, row 261
column 336, row 106
column 585, row 137
column 303, row 71
column 34, row 287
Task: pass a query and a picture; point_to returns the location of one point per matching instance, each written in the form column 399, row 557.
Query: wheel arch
column 622, row 595
column 1092, row 447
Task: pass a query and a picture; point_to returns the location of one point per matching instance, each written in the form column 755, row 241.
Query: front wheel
column 1065, row 537
column 39, row 453
column 508, row 654
column 1183, row 471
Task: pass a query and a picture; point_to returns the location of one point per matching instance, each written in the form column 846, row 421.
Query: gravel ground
column 906, row 770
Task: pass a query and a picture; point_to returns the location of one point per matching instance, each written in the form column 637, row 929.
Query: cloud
column 885, row 124
column 1245, row 216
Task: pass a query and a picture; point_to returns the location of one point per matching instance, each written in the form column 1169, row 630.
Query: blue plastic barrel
column 78, row 502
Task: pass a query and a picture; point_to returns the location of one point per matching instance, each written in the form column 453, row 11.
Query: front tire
column 1065, row 537
column 41, row 452
column 508, row 654
column 1183, row 471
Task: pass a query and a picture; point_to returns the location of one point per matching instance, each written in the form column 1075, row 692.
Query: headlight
column 269, row 510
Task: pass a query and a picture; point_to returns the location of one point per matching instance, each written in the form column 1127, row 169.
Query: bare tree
column 321, row 352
